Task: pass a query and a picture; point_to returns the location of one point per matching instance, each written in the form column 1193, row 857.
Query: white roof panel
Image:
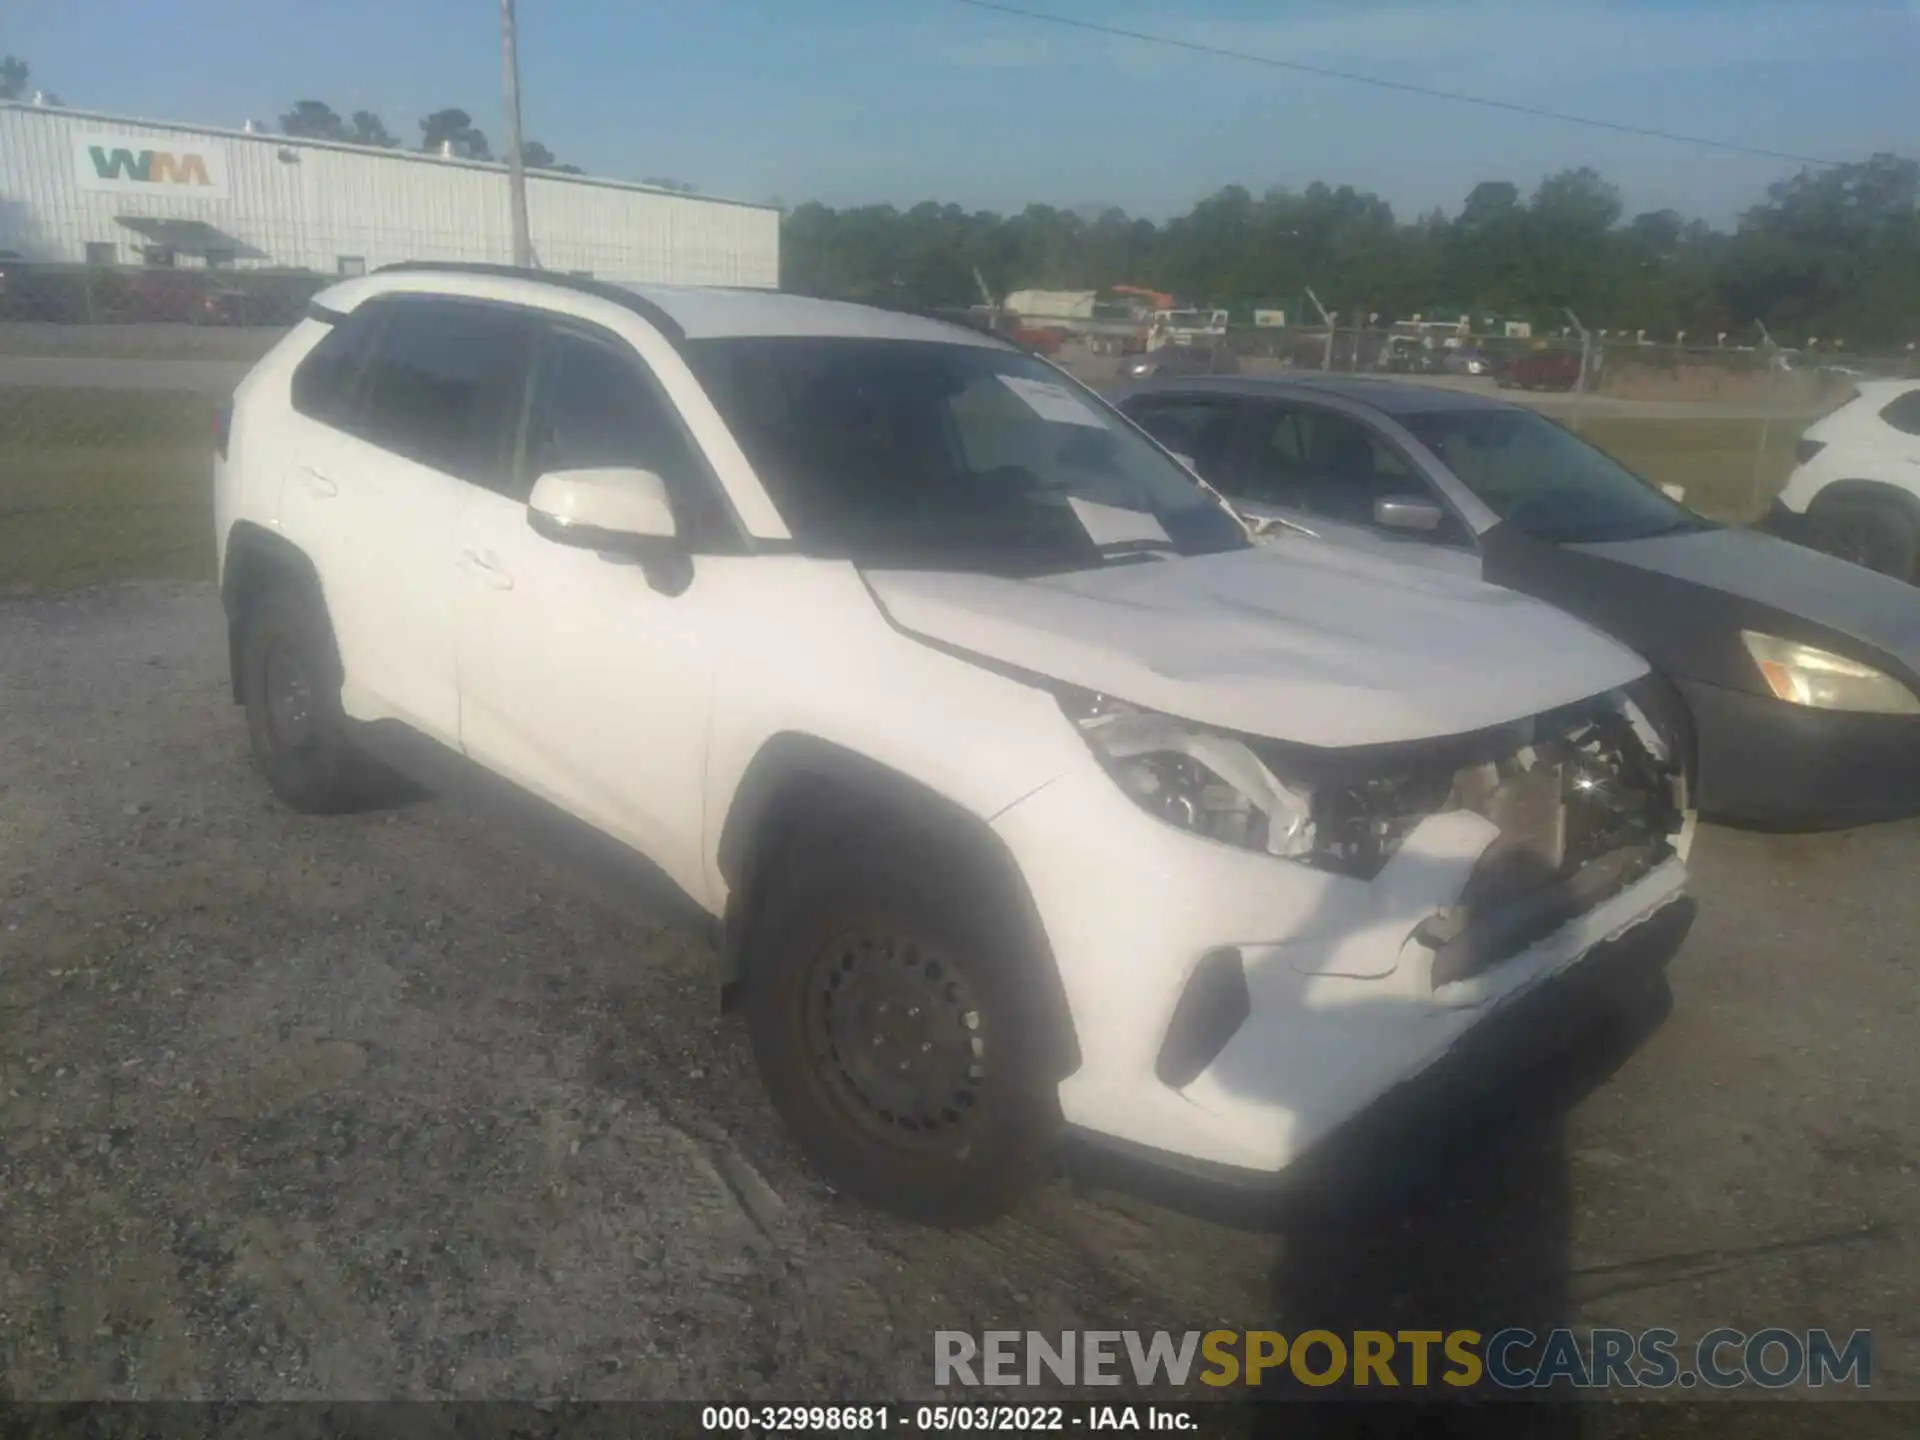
column 706, row 313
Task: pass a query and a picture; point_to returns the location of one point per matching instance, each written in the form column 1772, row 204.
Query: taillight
column 1807, row 449
column 222, row 423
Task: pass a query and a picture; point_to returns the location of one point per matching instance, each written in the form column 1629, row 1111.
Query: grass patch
column 100, row 485
column 1713, row 459
column 137, row 341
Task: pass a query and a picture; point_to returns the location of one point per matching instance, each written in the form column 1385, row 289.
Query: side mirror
column 614, row 509
column 1407, row 514
column 1674, row 492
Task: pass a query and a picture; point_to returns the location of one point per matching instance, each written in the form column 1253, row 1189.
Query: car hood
column 1874, row 609
column 1310, row 642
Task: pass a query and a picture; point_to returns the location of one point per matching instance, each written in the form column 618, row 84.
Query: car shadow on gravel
column 1446, row 1206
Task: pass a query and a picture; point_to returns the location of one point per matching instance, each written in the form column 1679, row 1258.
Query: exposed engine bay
column 1565, row 789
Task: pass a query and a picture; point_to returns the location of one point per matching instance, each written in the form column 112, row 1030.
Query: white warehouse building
column 83, row 188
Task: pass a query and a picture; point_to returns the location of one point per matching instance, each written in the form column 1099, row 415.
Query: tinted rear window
column 323, row 382
column 439, row 384
column 1903, row 413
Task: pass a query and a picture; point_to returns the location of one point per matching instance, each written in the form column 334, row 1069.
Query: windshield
column 1546, row 481
column 950, row 456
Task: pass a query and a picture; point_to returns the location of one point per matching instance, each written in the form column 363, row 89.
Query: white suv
column 1021, row 790
column 1856, row 491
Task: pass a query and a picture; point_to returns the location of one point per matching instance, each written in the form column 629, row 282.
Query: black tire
column 844, row 930
column 290, row 682
column 1879, row 535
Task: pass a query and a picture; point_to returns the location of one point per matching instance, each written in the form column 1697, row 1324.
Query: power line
column 1427, row 91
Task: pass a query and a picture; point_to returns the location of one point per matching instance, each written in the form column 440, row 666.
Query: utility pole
column 516, row 167
column 1586, row 357
column 1771, row 350
column 1326, row 319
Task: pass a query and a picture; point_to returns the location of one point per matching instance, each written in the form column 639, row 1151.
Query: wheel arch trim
column 253, row 557
column 797, row 778
column 1858, row 488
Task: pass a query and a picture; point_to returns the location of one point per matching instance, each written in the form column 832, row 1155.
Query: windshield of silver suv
column 950, row 456
column 1546, row 481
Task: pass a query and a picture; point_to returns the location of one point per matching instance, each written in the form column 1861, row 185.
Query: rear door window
column 440, row 383
column 322, row 386
column 1324, row 463
column 1202, row 428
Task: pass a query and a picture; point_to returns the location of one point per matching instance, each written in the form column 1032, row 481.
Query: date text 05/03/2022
column 992, row 1419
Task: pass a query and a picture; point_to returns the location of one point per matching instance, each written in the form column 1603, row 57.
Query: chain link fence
column 1720, row 421
column 110, row 378
column 109, row 383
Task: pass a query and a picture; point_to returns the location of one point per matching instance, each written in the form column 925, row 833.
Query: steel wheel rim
column 897, row 1039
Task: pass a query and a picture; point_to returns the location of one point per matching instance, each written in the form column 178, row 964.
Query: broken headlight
column 1197, row 779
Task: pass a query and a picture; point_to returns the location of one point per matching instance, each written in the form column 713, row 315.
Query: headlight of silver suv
column 1198, row 779
column 1804, row 675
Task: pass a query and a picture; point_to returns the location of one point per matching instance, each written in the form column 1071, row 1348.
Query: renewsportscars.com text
column 1511, row 1359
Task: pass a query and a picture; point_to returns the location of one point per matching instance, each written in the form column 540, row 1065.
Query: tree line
column 317, row 120
column 1830, row 253
column 13, row 79
column 452, row 128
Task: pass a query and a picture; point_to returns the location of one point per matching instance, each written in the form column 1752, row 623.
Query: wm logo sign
column 133, row 164
column 149, row 167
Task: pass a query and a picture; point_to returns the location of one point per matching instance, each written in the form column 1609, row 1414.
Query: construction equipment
column 1156, row 299
column 1134, row 334
column 1187, row 327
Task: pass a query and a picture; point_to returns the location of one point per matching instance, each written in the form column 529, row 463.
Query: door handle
column 480, row 563
column 314, row 481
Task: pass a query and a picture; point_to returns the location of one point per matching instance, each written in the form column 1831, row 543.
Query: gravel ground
column 387, row 1106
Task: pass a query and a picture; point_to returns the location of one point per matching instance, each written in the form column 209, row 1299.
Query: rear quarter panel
column 246, row 484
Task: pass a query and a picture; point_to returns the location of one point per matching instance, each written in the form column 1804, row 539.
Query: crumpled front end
column 1252, row 959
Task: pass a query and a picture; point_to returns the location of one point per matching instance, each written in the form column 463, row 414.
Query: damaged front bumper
column 1339, row 989
column 1317, row 1049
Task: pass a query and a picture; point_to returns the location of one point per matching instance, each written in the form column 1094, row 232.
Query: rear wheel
column 1877, row 534
column 896, row 1033
column 290, row 682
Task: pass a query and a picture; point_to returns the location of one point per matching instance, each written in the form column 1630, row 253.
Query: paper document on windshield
column 1111, row 525
column 1055, row 402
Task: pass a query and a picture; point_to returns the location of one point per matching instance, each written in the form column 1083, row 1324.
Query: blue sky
column 859, row 101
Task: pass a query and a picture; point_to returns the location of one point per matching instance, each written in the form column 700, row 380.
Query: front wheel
column 1879, row 535
column 896, row 1032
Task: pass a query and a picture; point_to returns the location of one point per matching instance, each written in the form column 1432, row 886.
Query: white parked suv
column 1856, row 490
column 1021, row 790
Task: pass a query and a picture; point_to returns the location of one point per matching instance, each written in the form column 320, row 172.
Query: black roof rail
column 585, row 285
